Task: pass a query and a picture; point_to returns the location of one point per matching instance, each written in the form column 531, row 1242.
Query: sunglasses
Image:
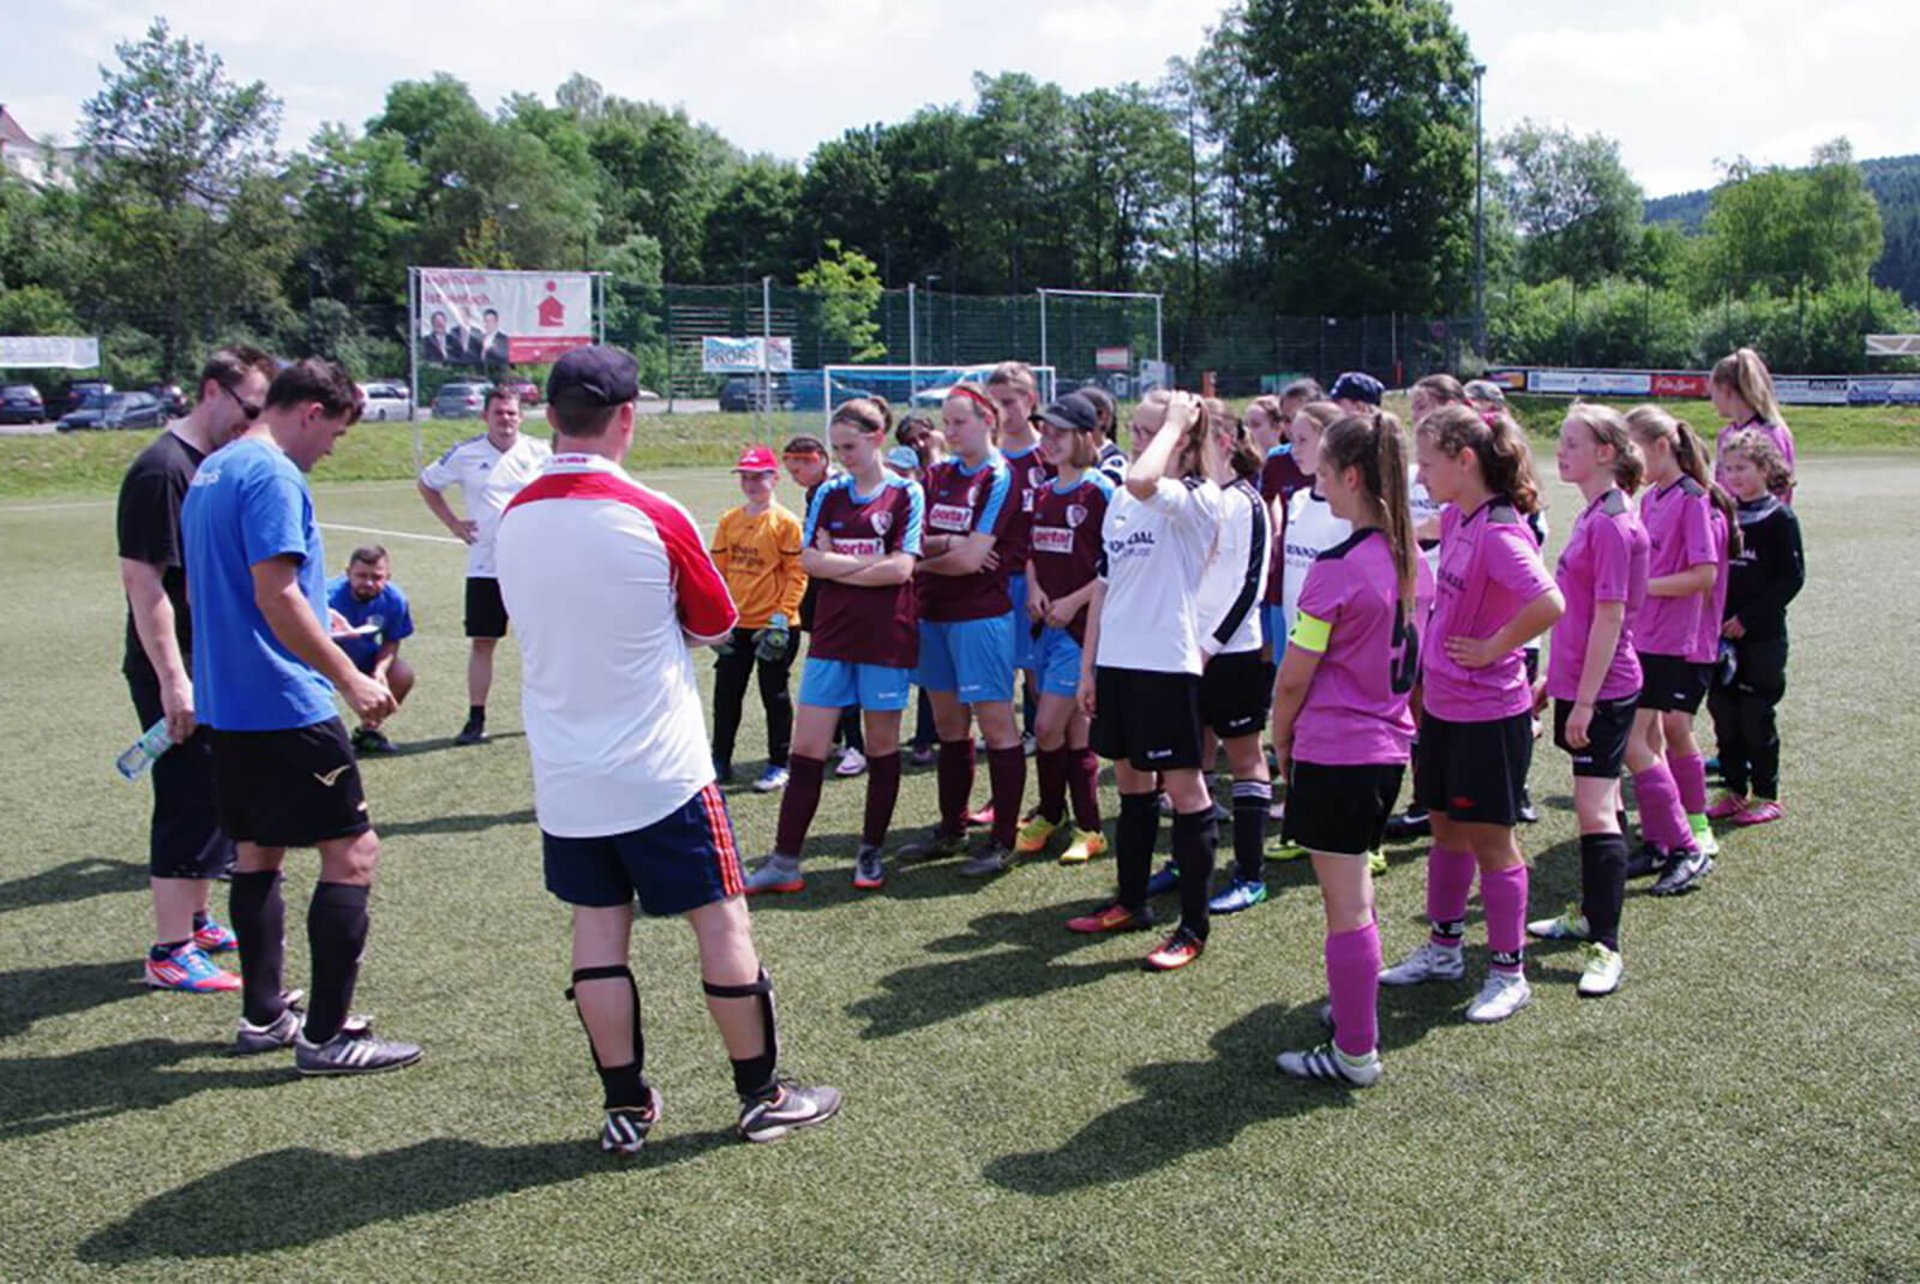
column 250, row 409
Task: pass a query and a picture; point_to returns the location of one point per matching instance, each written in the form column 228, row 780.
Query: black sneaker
column 785, row 1107
column 1647, row 859
column 354, row 1050
column 367, row 740
column 473, row 733
column 625, row 1131
column 938, row 846
column 251, row 1040
column 723, row 773
column 993, row 861
column 1685, row 868
column 1411, row 823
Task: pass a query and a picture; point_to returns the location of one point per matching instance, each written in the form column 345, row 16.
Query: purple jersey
column 1356, row 708
column 962, row 502
column 1490, row 570
column 858, row 624
column 1279, row 478
column 1605, row 560
column 1706, row 642
column 1679, row 537
column 1779, row 434
column 1067, row 548
column 1029, row 476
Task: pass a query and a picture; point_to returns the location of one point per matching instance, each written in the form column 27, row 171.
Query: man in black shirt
column 186, row 849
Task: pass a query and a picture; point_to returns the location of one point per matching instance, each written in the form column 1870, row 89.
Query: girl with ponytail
column 1742, row 392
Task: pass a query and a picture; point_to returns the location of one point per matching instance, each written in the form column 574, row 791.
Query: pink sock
column 1661, row 820
column 1503, row 894
column 1449, row 883
column 1353, row 982
column 1690, row 778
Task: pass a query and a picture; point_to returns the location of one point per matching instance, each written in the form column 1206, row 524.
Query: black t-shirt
column 151, row 497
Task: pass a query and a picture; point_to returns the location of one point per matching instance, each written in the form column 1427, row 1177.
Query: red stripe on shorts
column 721, row 829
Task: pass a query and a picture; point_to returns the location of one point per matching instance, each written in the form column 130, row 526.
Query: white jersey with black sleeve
column 1156, row 552
column 1236, row 578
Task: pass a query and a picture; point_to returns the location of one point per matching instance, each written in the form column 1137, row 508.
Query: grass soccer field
column 1021, row 1103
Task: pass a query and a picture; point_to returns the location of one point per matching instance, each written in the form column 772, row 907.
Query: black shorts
column 184, row 839
column 1151, row 720
column 1672, row 683
column 296, row 788
column 1341, row 811
column 1236, row 693
column 1607, row 736
column 486, row 611
column 680, row 862
column 1473, row 772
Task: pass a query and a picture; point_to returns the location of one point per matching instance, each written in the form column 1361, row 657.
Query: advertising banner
column 1674, row 384
column 1113, row 358
column 1792, row 390
column 1592, row 383
column 720, row 354
column 470, row 317
column 1894, row 390
column 1511, row 380
column 48, row 352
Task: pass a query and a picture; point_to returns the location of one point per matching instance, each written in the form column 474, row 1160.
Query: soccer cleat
column 1178, row 950
column 625, row 1131
column 771, row 779
column 1112, row 918
column 1646, row 859
column 1028, row 745
column 869, row 869
column 937, row 846
column 1277, row 811
column 1504, row 994
column 981, row 819
column 1377, row 862
column 785, row 1107
column 1428, row 963
column 1034, row 835
column 1703, row 836
column 366, row 740
column 1684, row 870
column 213, row 937
column 1602, row 973
column 1411, row 823
column 722, row 773
column 1164, row 880
column 1570, row 926
column 1327, row 1064
column 851, row 763
column 1240, row 894
column 1281, row 849
column 1529, row 814
column 1760, row 811
column 989, row 863
column 1728, row 806
column 1712, row 765
column 189, row 970
column 251, row 1040
column 1165, row 804
column 354, row 1050
column 1086, row 844
column 776, row 874
column 922, row 757
column 473, row 733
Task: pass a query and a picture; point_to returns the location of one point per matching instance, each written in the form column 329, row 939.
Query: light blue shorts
column 1023, row 641
column 836, row 684
column 1056, row 659
column 1273, row 624
column 969, row 659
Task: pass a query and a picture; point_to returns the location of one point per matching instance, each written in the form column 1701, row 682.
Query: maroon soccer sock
column 801, row 800
column 1083, row 779
column 955, row 786
column 1007, row 769
column 883, row 790
column 1051, row 766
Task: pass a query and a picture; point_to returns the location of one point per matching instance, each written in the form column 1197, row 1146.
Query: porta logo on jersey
column 950, row 517
column 1052, row 539
column 859, row 547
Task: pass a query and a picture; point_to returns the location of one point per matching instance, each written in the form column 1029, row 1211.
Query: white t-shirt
column 1235, row 581
column 603, row 578
column 1312, row 529
column 1425, row 508
column 1156, row 553
column 488, row 477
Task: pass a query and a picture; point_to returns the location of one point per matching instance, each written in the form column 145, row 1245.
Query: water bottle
column 140, row 754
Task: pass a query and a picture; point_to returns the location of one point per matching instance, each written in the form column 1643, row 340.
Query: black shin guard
column 1195, row 838
column 259, row 917
column 753, row 1076
column 624, row 1085
column 1251, row 798
column 1603, row 885
column 1133, row 841
column 337, row 926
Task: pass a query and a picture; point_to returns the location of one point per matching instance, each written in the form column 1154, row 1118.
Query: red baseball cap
column 757, row 459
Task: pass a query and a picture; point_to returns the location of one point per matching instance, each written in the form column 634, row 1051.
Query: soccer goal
column 908, row 389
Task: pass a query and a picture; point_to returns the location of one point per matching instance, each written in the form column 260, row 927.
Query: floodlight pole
column 413, row 365
column 913, row 334
column 1479, row 213
column 1043, row 325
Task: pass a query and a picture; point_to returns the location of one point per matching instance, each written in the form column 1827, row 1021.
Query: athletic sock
column 955, row 774
column 1083, row 782
column 1690, row 778
column 1449, row 882
column 477, row 715
column 623, row 1087
column 1353, row 983
column 883, row 791
column 1603, row 885
column 200, row 919
column 337, row 924
column 1133, row 841
column 163, row 950
column 1250, row 801
column 1007, row 773
column 800, row 800
column 259, row 918
column 1503, row 894
column 1050, row 765
column 1196, row 836
column 1662, row 822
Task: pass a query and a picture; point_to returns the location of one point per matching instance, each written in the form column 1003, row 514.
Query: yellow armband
column 1310, row 634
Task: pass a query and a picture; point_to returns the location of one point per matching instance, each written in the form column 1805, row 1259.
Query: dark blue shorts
column 680, row 862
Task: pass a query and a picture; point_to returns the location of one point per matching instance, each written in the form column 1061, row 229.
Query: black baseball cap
column 1073, row 412
column 1357, row 385
column 593, row 378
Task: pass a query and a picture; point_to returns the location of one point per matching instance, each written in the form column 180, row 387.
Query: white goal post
column 909, row 388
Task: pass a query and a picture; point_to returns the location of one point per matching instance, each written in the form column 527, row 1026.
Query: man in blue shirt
column 265, row 672
column 370, row 619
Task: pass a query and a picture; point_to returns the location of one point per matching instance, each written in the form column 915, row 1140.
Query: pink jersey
column 858, row 624
column 1067, row 549
column 1779, row 434
column 1029, row 476
column 962, row 502
column 1490, row 570
column 1679, row 537
column 1706, row 641
column 1356, row 710
column 1605, row 560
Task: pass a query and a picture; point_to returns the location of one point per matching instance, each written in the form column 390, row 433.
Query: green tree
column 34, row 309
column 1778, row 231
column 749, row 231
column 1573, row 203
column 357, row 196
column 848, row 286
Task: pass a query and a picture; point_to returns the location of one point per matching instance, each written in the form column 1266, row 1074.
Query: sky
column 1685, row 86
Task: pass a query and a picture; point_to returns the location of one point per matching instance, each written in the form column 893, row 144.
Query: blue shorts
column 969, row 659
column 1056, row 659
column 1023, row 640
column 836, row 684
column 680, row 862
column 1273, row 626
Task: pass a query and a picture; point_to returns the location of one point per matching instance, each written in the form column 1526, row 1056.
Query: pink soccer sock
column 1449, row 883
column 1690, row 778
column 1661, row 820
column 1503, row 893
column 1353, row 982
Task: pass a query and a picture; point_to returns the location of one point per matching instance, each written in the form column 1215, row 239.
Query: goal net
column 908, row 389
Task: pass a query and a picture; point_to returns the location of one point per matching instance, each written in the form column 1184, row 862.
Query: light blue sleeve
column 990, row 511
column 813, row 514
column 911, row 538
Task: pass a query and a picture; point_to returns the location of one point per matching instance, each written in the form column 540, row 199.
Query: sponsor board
column 1815, row 391
column 1669, row 383
column 1890, row 391
column 482, row 318
column 721, row 354
column 48, row 352
column 1594, row 383
column 1113, row 359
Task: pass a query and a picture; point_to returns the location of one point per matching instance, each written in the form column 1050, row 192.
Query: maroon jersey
column 1066, row 539
column 1029, row 475
column 1279, row 478
column 965, row 503
column 867, row 625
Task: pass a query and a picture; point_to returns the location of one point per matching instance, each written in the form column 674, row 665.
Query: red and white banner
column 470, row 317
column 1672, row 384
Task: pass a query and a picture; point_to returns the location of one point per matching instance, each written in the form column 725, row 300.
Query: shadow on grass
column 414, row 748
column 829, row 875
column 475, row 823
column 44, row 1094
column 76, row 880
column 41, row 993
column 298, row 1197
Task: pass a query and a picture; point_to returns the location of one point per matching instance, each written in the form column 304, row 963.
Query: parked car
column 974, row 376
column 750, row 392
column 384, row 401
column 81, row 389
column 20, row 403
column 460, row 400
column 528, row 390
column 172, row 398
column 806, row 389
column 113, row 410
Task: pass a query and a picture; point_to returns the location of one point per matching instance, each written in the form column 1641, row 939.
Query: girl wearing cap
column 1594, row 676
column 1063, row 567
column 1341, row 722
column 861, row 541
column 1742, row 390
column 757, row 548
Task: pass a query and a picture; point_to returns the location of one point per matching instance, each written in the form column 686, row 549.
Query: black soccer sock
column 163, row 949
column 200, row 919
column 1195, row 837
column 754, row 1076
column 1133, row 839
column 623, row 1086
column 477, row 714
column 260, row 923
column 337, row 924
column 1603, row 885
column 1250, row 801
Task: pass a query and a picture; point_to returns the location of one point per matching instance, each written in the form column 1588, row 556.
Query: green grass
column 1020, row 1103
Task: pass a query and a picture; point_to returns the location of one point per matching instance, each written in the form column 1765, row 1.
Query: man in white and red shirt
column 610, row 583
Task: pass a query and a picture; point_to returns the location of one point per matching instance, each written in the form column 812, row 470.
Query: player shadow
column 414, row 748
column 76, row 880
column 473, row 823
column 297, row 1197
column 829, row 875
column 35, row 994
column 45, row 1094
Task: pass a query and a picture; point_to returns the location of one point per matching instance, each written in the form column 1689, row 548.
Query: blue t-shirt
column 249, row 503
column 388, row 613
